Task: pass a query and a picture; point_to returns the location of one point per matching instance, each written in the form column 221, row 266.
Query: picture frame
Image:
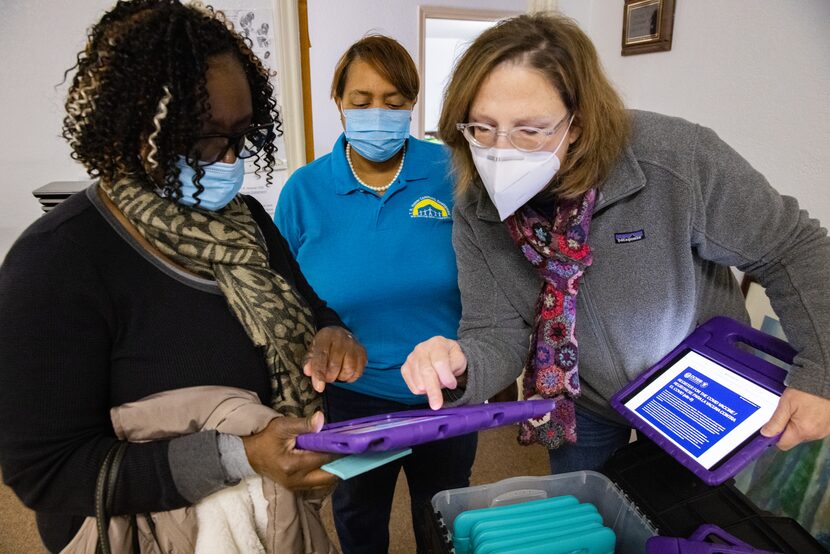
column 647, row 26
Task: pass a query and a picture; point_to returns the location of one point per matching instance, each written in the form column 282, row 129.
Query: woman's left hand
column 801, row 416
column 334, row 355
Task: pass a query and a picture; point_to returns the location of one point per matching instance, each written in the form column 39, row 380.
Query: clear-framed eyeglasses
column 524, row 138
column 211, row 148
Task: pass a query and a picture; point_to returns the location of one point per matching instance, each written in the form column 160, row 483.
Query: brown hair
column 387, row 57
column 556, row 47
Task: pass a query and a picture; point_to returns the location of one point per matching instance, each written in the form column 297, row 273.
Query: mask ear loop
column 343, row 119
column 568, row 128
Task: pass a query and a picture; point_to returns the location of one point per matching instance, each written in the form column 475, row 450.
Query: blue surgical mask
column 377, row 133
column 221, row 182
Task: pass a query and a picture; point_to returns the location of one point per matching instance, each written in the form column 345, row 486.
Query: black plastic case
column 677, row 502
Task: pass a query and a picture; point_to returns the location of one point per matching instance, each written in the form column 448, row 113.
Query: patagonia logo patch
column 631, row 236
column 429, row 208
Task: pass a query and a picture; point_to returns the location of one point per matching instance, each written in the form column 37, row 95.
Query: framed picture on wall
column 647, row 26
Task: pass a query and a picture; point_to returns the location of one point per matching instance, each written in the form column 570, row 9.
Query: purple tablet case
column 412, row 427
column 717, row 340
column 697, row 543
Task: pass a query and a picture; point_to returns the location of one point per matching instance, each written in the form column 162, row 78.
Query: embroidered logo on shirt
column 430, row 208
column 632, row 236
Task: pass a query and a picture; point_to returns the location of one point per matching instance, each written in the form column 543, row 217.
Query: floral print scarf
column 558, row 249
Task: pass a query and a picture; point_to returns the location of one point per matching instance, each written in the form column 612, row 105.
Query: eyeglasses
column 213, row 147
column 526, row 139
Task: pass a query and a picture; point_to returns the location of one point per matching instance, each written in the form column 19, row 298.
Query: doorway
column 444, row 34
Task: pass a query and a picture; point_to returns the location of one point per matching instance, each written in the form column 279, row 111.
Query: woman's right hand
column 273, row 453
column 434, row 364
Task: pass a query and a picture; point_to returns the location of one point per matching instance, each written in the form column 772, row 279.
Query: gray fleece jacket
column 677, row 210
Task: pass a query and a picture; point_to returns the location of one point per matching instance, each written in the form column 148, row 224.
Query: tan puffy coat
column 293, row 518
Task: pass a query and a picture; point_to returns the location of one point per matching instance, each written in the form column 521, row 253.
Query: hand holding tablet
column 706, row 401
column 409, row 428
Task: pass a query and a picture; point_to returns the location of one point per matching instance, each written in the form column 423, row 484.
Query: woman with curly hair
column 160, row 277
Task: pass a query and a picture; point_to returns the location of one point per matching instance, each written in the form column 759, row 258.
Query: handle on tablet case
column 672, row 545
column 711, row 530
column 726, row 333
column 699, row 543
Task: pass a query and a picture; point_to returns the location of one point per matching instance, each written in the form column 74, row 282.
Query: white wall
column 38, row 41
column 758, row 73
column 334, row 25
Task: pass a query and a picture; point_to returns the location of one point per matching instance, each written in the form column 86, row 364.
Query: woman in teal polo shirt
column 370, row 224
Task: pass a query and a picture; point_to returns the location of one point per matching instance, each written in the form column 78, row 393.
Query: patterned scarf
column 228, row 246
column 559, row 250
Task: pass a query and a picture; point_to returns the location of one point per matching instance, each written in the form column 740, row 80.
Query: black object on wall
column 52, row 194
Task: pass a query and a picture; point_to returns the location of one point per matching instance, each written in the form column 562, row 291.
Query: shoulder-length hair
column 386, row 56
column 556, row 47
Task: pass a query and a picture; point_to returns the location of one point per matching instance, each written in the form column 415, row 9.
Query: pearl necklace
column 370, row 187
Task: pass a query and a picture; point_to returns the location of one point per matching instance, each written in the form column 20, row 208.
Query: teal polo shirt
column 384, row 263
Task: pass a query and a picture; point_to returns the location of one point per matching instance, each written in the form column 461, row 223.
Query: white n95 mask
column 512, row 177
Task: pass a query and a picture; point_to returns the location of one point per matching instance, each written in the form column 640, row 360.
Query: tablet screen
column 703, row 407
column 389, row 423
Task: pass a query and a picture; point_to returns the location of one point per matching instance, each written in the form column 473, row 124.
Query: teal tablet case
column 538, row 517
column 487, row 530
column 542, row 520
column 597, row 540
column 551, row 536
column 464, row 522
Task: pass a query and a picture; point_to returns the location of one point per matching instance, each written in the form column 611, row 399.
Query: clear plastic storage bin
column 618, row 513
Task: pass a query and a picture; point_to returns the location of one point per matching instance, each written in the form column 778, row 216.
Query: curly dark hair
column 138, row 99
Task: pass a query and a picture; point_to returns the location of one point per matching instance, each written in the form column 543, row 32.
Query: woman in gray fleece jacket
column 591, row 240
